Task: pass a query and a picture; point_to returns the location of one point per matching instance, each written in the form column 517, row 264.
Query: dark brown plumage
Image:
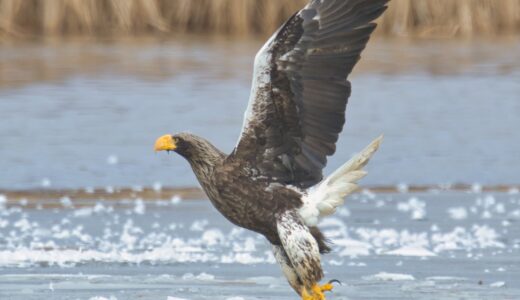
column 295, row 114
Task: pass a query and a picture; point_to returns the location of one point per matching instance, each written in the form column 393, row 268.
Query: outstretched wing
column 300, row 90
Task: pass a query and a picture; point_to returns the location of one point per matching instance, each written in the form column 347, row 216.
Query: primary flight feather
column 272, row 183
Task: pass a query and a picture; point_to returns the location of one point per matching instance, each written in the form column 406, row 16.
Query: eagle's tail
column 323, row 199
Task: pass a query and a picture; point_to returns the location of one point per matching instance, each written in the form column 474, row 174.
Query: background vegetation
column 417, row 18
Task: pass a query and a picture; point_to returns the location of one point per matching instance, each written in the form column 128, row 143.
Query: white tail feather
column 323, row 199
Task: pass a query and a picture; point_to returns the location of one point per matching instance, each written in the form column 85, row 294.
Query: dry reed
column 29, row 18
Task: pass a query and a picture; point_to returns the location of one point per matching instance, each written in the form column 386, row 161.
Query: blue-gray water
column 84, row 114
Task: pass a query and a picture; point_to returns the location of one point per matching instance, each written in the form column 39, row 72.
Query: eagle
column 272, row 182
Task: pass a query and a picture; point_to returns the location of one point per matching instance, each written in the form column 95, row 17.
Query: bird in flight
column 272, row 182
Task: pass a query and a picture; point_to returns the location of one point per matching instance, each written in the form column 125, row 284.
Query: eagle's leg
column 303, row 254
column 287, row 268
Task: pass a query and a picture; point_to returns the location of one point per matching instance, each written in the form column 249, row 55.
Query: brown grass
column 30, row 18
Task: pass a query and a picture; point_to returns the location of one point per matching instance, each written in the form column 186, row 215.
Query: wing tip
column 374, row 145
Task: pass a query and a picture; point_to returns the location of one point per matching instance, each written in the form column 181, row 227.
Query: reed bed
column 35, row 18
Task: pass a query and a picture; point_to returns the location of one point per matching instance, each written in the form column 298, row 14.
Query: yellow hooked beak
column 165, row 143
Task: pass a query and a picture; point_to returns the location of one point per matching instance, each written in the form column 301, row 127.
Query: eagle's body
column 234, row 192
column 272, row 182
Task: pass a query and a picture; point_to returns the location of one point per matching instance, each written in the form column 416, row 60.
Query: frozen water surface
column 136, row 249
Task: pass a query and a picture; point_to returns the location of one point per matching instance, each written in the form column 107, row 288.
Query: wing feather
column 300, row 89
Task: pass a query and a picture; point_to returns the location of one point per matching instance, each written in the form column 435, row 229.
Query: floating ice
column 83, row 212
column 353, row 248
column 412, row 251
column 157, row 186
column 213, row 237
column 500, row 208
column 139, row 207
column 476, row 188
column 498, row 284
column 198, row 225
column 115, row 234
column 513, row 191
column 65, row 201
column 46, row 182
column 416, row 207
column 176, row 200
column 383, row 276
column 205, row 277
column 368, row 193
column 137, row 188
column 112, row 159
column 402, row 188
column 458, row 213
column 481, row 236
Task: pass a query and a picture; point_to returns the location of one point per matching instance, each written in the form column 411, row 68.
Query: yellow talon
column 327, row 287
column 316, row 293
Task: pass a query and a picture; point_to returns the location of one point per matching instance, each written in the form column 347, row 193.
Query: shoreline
column 195, row 193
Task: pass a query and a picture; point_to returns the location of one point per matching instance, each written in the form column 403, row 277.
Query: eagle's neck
column 203, row 158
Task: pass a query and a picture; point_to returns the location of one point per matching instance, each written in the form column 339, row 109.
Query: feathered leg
column 287, row 268
column 303, row 255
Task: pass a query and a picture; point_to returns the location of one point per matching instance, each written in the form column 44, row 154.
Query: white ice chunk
column 384, row 276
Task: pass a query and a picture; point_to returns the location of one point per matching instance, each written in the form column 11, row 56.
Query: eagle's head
column 181, row 143
column 187, row 145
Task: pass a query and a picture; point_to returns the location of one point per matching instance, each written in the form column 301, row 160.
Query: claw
column 335, row 281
